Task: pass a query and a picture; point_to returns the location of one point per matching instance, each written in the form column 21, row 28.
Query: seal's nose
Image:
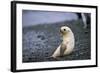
column 60, row 31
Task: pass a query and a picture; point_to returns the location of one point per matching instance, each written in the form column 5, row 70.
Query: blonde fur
column 67, row 44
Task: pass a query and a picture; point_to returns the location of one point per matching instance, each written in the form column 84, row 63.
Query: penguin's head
column 64, row 30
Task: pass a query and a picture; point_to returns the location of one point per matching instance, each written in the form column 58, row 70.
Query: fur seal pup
column 67, row 45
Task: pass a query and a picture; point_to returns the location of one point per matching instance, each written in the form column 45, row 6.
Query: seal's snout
column 64, row 30
column 61, row 31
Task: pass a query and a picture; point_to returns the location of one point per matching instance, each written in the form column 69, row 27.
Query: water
column 32, row 17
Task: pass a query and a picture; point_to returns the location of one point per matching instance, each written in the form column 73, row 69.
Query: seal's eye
column 64, row 29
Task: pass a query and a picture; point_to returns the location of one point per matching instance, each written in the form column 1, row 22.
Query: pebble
column 44, row 46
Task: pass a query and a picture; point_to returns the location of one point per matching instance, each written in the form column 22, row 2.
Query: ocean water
column 33, row 17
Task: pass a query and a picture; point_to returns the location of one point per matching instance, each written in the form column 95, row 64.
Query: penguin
column 67, row 45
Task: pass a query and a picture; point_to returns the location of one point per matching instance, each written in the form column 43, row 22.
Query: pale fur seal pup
column 67, row 45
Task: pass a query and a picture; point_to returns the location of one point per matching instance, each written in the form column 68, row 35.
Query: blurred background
column 41, row 34
column 31, row 17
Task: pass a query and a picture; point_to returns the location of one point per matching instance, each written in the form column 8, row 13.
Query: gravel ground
column 40, row 41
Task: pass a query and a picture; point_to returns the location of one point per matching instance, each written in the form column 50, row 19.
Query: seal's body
column 67, row 45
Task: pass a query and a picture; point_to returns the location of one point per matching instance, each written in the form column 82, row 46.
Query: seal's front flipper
column 62, row 49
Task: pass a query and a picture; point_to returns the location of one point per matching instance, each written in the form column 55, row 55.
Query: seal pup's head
column 65, row 30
